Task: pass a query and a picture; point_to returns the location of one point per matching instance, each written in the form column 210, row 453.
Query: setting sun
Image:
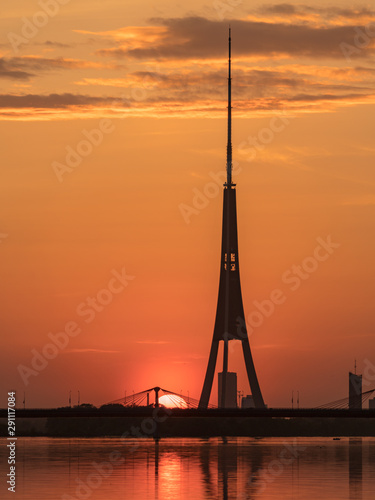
column 172, row 401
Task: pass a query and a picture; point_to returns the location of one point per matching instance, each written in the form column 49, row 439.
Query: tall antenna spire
column 229, row 143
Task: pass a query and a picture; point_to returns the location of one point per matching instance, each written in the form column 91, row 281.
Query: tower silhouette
column 230, row 319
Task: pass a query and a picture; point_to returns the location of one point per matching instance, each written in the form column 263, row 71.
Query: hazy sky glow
column 113, row 151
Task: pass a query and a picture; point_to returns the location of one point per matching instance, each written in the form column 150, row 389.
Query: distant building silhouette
column 230, row 392
column 247, row 402
column 355, row 391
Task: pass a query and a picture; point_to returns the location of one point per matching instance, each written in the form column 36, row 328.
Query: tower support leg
column 207, row 386
column 252, row 376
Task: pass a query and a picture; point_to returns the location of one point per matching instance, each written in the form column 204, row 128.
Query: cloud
column 154, row 342
column 54, row 101
column 26, row 67
column 34, row 107
column 282, row 8
column 286, row 9
column 255, row 81
column 65, row 106
column 58, row 45
column 103, row 351
column 178, row 67
column 47, row 64
column 288, row 346
column 7, row 70
column 248, row 85
column 312, row 15
column 201, row 38
column 327, row 97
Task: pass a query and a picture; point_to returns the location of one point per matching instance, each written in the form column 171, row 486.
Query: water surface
column 192, row 469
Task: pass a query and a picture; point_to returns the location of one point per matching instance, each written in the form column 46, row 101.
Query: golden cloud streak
column 207, row 108
column 132, row 37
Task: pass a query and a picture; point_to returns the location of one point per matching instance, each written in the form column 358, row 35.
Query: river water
column 191, row 469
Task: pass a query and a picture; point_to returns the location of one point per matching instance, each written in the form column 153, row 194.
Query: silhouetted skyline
column 113, row 125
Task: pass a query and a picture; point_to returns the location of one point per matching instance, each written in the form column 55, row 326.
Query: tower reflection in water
column 355, row 468
column 217, row 469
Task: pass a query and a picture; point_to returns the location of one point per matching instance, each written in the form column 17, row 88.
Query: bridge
column 145, row 410
column 159, row 395
column 143, row 402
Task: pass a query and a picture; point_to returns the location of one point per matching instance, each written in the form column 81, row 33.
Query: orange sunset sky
column 76, row 215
